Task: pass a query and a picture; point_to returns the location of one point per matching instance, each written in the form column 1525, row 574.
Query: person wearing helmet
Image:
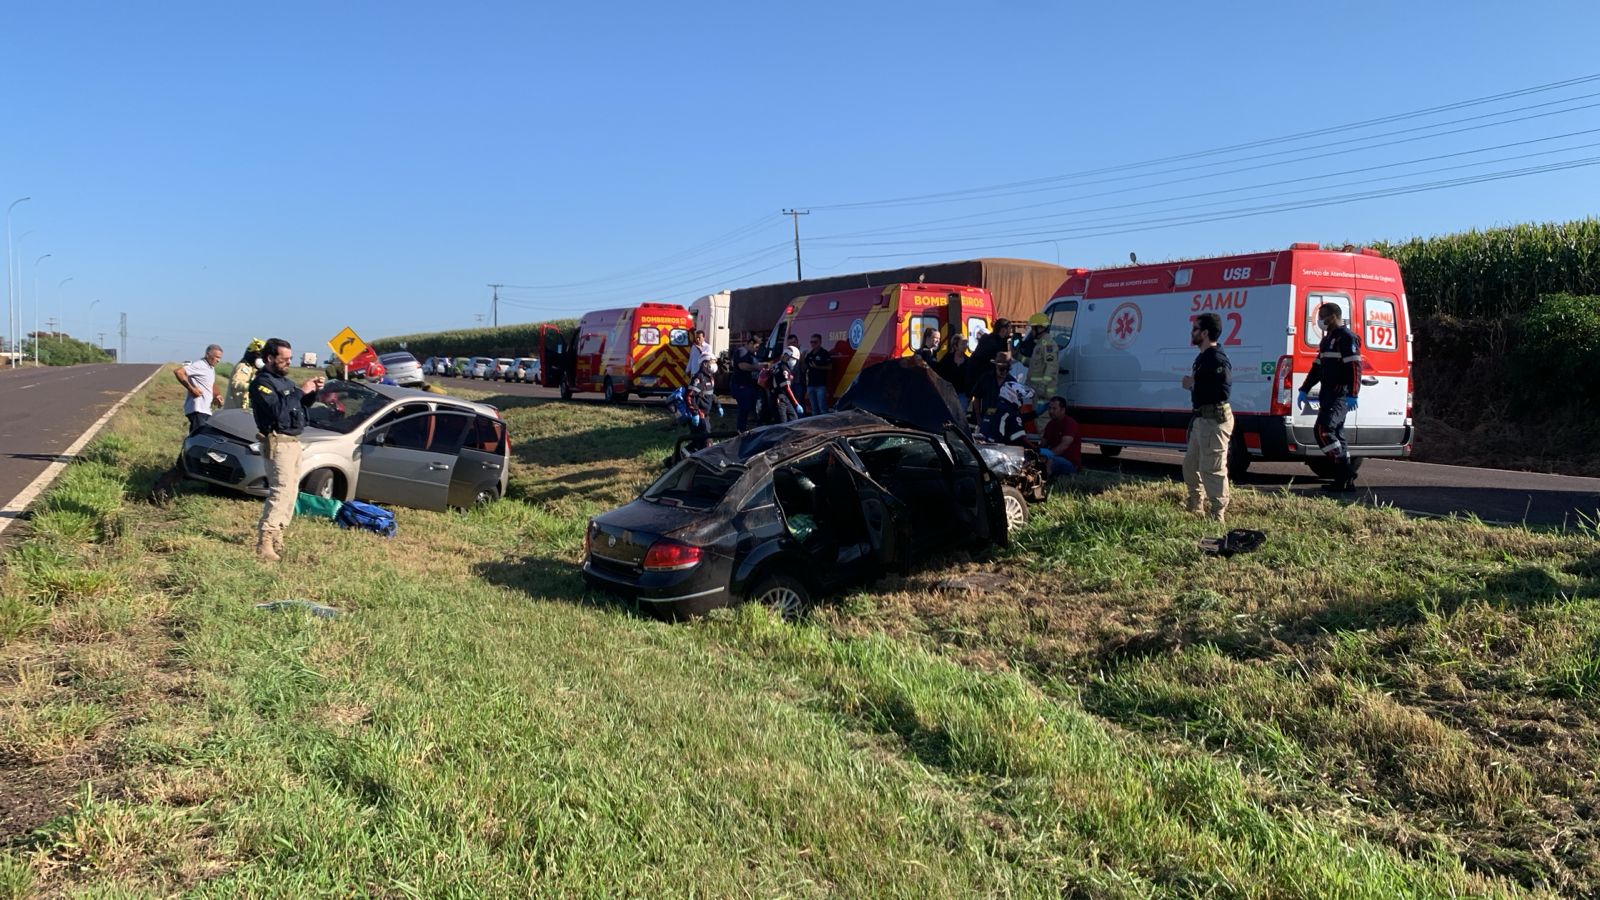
column 783, row 384
column 1043, row 356
column 1005, row 425
column 243, row 371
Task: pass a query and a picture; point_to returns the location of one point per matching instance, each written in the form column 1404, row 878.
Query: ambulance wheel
column 1016, row 508
column 1110, row 451
column 611, row 393
column 566, row 389
column 1238, row 457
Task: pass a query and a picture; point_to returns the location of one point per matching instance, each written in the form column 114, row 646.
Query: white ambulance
column 1125, row 339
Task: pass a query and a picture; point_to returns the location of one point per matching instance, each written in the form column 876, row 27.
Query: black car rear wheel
column 783, row 594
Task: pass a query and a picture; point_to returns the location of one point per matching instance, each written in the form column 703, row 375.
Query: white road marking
column 14, row 508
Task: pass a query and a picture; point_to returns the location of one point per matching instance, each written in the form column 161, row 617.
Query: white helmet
column 708, row 365
column 792, row 352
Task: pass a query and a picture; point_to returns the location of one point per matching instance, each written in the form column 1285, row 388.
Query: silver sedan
column 369, row 441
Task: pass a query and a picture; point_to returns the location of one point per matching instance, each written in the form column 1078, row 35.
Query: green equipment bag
column 312, row 505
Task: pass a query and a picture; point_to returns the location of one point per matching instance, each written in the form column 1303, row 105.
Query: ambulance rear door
column 1385, row 374
column 1305, row 415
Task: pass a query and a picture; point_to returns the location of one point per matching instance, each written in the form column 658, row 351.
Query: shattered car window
column 693, row 484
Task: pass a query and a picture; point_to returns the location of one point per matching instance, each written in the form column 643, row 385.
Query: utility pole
column 102, row 342
column 122, row 332
column 796, row 214
column 494, row 306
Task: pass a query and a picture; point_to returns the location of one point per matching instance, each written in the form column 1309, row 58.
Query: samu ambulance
column 1125, row 339
column 641, row 349
column 863, row 326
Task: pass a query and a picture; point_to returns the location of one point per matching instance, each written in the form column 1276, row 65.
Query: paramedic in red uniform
column 1205, row 460
column 1338, row 369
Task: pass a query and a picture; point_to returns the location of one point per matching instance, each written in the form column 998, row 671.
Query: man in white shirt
column 199, row 378
column 698, row 352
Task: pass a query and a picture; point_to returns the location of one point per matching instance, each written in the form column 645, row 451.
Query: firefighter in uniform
column 1205, row 460
column 1338, row 370
column 279, row 406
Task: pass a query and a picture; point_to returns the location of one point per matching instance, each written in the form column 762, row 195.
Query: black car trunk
column 623, row 536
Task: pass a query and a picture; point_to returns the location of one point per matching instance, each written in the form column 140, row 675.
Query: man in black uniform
column 1205, row 460
column 1338, row 369
column 280, row 410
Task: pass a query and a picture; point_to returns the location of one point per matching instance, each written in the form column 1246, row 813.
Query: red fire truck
column 640, row 349
column 868, row 325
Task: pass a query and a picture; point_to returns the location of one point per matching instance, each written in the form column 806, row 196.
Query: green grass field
column 1369, row 706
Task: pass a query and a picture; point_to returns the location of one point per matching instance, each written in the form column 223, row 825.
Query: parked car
column 373, row 442
column 526, row 370
column 436, row 366
column 459, row 366
column 480, row 367
column 403, row 368
column 502, row 369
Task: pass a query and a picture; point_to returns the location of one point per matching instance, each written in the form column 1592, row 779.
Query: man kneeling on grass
column 1059, row 444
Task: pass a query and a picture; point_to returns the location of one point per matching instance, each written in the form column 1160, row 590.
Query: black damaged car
column 784, row 514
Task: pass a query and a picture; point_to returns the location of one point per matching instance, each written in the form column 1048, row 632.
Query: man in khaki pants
column 280, row 410
column 1205, row 462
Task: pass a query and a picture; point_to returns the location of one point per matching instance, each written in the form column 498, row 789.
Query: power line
column 1217, row 151
column 1158, row 224
column 698, row 249
column 1161, row 201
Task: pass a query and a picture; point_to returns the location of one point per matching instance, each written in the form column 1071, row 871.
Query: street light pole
column 91, row 315
column 36, row 315
column 13, row 318
column 36, row 307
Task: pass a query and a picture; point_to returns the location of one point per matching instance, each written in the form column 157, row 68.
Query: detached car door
column 409, row 461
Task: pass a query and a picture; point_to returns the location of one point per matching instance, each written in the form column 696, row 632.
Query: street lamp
column 91, row 314
column 13, row 319
column 36, row 307
column 36, row 314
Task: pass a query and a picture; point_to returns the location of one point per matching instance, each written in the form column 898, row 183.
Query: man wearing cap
column 1205, row 460
column 243, row 371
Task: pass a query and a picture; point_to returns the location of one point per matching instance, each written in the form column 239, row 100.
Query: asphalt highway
column 1494, row 495
column 44, row 410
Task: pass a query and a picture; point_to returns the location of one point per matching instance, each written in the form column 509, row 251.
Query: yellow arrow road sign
column 346, row 345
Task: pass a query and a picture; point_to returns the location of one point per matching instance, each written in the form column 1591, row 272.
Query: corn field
column 1500, row 272
column 507, row 340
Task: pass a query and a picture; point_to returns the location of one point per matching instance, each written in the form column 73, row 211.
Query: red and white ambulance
column 863, row 326
column 1125, row 339
column 640, row 349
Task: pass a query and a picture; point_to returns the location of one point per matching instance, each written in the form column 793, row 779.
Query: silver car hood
column 241, row 424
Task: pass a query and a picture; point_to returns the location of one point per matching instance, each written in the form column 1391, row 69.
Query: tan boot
column 277, row 543
column 265, row 549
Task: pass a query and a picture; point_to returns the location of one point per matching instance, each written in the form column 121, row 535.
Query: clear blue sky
column 222, row 171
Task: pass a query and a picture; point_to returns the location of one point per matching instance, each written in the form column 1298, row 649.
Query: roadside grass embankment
column 1368, row 706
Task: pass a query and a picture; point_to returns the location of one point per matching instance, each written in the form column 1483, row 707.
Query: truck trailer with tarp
column 1020, row 288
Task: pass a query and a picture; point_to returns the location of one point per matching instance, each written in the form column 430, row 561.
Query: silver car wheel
column 782, row 594
column 1016, row 508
